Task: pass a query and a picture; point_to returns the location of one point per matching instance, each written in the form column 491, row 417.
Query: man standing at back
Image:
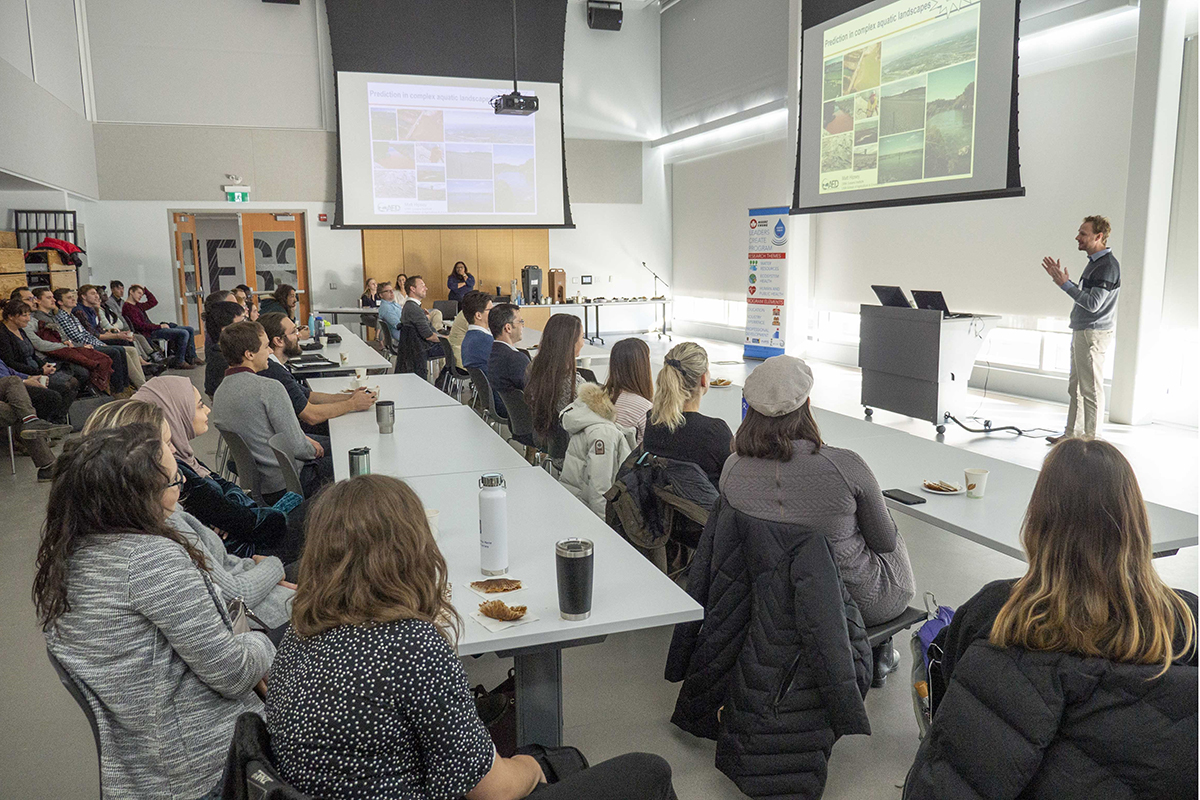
column 1092, row 320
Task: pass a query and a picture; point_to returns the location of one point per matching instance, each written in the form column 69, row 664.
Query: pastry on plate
column 721, row 382
column 941, row 486
column 496, row 585
column 497, row 609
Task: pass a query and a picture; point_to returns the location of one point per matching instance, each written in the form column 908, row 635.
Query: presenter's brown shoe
column 1055, row 439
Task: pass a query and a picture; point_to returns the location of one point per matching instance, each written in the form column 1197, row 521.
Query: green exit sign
column 237, row 194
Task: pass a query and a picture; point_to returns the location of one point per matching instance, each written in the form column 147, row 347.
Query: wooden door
column 274, row 252
column 190, row 276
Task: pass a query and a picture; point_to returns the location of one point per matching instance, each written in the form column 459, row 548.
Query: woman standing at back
column 553, row 379
column 460, row 282
column 1079, row 679
column 677, row 429
column 629, row 385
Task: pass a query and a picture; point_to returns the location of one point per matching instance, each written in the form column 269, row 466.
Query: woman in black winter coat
column 1078, row 680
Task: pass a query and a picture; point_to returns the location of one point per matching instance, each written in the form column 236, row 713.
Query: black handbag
column 498, row 711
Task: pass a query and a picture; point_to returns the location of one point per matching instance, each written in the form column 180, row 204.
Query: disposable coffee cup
column 344, row 357
column 574, row 565
column 360, row 373
column 385, row 415
column 432, row 515
column 976, row 482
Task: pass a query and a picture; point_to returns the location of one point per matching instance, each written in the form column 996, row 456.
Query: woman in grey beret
column 782, row 471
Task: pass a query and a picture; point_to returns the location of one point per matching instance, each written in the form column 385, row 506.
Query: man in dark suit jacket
column 507, row 365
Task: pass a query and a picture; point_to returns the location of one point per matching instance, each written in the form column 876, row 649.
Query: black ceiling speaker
column 604, row 15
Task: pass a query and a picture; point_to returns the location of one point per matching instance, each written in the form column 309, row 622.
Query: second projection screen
column 898, row 97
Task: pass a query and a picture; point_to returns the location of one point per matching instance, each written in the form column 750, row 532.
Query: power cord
column 988, row 427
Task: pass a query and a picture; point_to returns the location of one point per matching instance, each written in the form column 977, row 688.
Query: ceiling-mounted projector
column 515, row 103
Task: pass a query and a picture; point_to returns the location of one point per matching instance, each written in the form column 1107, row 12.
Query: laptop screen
column 892, row 296
column 932, row 301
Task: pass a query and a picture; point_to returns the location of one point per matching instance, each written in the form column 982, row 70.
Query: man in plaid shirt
column 75, row 332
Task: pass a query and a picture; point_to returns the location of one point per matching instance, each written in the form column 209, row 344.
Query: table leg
column 598, row 336
column 539, row 697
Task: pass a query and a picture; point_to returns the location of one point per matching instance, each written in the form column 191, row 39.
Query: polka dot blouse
column 381, row 711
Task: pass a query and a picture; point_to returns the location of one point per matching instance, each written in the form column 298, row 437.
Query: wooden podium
column 917, row 362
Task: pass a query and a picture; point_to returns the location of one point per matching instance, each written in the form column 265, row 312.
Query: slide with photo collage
column 902, row 109
column 452, row 161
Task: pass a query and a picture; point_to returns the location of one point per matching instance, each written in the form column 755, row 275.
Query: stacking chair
column 250, row 773
column 247, row 468
column 388, row 342
column 483, row 390
column 881, row 635
column 287, row 463
column 587, row 374
column 12, row 453
column 77, row 694
column 449, row 309
column 456, row 379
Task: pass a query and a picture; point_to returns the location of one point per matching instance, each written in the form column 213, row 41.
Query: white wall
column 711, row 197
column 43, row 138
column 131, row 241
column 219, row 62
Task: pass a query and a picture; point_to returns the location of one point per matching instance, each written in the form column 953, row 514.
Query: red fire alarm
column 322, row 217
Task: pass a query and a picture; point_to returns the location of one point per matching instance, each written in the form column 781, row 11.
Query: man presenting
column 1092, row 321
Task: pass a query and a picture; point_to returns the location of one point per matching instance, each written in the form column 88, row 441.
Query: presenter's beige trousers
column 1086, row 386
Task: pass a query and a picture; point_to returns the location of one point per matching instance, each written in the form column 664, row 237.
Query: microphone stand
column 657, row 280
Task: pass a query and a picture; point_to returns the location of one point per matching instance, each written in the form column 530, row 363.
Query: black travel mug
column 574, row 563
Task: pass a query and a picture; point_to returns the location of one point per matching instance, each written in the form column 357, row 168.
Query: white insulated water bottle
column 493, row 524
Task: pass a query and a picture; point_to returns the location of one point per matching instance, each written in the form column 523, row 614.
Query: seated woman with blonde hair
column 1079, row 679
column 367, row 698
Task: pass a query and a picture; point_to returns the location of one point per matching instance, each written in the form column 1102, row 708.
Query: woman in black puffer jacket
column 1078, row 680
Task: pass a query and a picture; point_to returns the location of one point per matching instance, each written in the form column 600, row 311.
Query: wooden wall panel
column 383, row 255
column 495, row 267
column 423, row 256
column 531, row 246
column 493, row 255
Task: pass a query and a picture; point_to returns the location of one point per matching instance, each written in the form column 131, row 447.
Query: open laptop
column 892, row 296
column 933, row 301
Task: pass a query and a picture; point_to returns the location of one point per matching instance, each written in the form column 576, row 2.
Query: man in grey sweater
column 1092, row 320
column 257, row 408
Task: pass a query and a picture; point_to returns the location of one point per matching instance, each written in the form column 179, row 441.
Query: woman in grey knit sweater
column 129, row 609
column 782, row 471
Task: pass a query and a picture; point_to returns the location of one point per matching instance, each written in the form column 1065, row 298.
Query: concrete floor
column 615, row 699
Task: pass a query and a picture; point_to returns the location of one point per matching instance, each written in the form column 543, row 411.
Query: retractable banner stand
column 766, row 282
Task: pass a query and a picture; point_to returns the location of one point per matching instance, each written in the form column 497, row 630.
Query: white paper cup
column 344, row 357
column 976, row 482
column 360, row 373
column 431, row 516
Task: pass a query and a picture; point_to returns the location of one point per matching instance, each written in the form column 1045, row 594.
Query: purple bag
column 924, row 652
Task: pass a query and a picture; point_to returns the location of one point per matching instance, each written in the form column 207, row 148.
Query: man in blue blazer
column 507, row 365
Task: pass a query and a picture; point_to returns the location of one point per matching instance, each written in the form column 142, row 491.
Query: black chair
column 247, row 468
column 880, row 636
column 287, row 464
column 520, row 418
column 449, row 309
column 412, row 355
column 454, row 377
column 483, row 389
column 249, row 769
column 587, row 374
column 73, row 688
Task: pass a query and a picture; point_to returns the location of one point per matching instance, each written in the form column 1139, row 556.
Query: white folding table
column 628, row 593
column 360, row 355
column 424, row 441
column 333, row 311
column 900, row 460
column 406, row 391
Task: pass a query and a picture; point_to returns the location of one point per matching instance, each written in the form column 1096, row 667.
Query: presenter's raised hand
column 1055, row 270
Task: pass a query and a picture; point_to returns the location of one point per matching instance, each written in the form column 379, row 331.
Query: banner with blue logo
column 766, row 282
